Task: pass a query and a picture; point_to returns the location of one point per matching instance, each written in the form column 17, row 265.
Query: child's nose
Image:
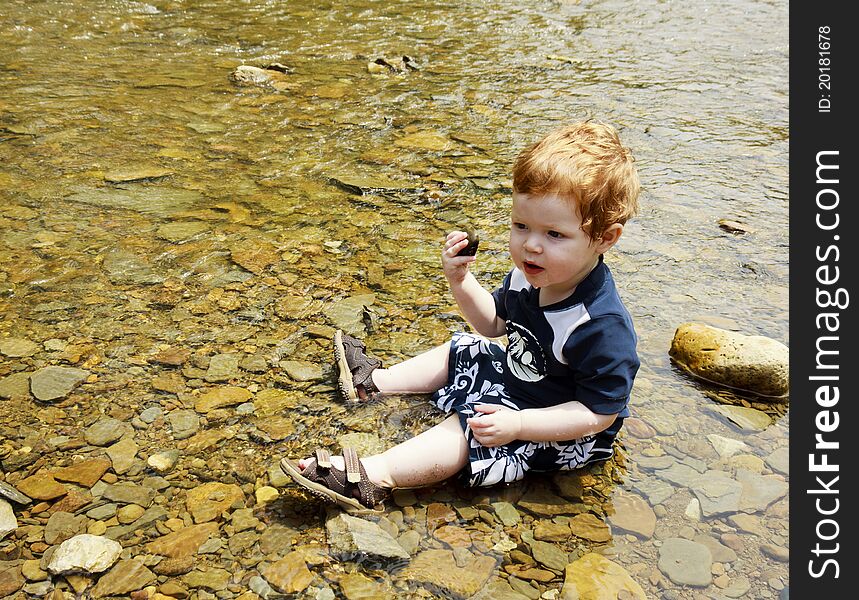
column 532, row 245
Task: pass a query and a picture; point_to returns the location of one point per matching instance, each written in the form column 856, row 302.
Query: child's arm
column 475, row 302
column 499, row 425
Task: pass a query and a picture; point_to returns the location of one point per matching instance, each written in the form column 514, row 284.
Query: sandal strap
column 323, row 458
column 353, row 465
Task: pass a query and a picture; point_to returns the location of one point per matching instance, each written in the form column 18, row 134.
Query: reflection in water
column 170, row 232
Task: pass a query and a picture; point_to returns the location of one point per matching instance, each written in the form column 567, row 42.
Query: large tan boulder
column 750, row 363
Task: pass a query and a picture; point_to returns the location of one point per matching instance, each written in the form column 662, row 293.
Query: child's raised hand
column 495, row 425
column 455, row 267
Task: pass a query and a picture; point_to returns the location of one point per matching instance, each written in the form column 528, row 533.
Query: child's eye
column 556, row 234
column 518, row 225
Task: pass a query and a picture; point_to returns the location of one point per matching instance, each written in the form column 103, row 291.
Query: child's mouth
column 531, row 268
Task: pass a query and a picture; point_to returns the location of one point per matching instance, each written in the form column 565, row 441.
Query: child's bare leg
column 422, row 374
column 430, row 457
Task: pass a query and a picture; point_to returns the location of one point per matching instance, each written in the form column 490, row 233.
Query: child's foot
column 343, row 481
column 355, row 369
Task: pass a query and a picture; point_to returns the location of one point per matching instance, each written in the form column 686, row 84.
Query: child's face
column 548, row 245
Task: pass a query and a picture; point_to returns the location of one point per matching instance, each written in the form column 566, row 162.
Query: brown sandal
column 355, row 369
column 351, row 489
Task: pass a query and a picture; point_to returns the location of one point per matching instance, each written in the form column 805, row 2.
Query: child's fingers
column 486, row 408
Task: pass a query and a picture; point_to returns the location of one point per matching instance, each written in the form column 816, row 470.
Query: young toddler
column 556, row 396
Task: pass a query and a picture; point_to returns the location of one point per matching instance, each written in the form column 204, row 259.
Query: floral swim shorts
column 476, row 377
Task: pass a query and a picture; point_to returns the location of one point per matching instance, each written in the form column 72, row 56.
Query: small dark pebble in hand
column 473, row 241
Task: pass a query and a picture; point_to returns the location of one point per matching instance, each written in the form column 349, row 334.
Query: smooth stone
column 209, row 578
column 105, row 431
column 221, row 398
column 751, row 363
column 152, row 514
column 85, row 473
column 685, row 562
column 122, row 455
column 277, row 428
column 299, row 370
column 243, row 519
column 32, row 571
column 590, row 527
column 129, row 513
column 632, row 513
column 103, row 512
column 184, row 423
column 53, row 383
column 747, row 419
column 273, row 401
column 149, row 415
column 126, row 492
column 11, row 579
column 42, row 486
column 348, row 314
column 740, row 586
column 125, row 576
column 759, row 491
column 718, row 493
column 506, row 513
column 719, row 552
column 84, row 552
column 693, row 509
column 223, row 367
column 439, row 568
column 549, row 531
column 355, row 586
column 18, row 347
column 16, row 385
column 548, row 555
column 62, row 525
column 266, row 494
column 654, row 490
column 681, row 475
column 8, row 522
column 595, row 577
column 163, row 461
column 289, row 575
column 208, row 501
column 748, row 524
column 726, row 447
column 454, row 537
column 353, row 536
column 276, row 539
column 779, row 460
column 779, row 553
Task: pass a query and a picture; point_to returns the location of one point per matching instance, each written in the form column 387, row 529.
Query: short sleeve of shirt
column 500, row 295
column 602, row 355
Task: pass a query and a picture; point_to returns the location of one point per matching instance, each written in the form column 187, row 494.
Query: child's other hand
column 495, row 425
column 455, row 267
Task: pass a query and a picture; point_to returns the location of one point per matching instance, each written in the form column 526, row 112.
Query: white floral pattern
column 477, row 368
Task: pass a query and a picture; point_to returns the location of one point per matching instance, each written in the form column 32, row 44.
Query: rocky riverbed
column 142, row 459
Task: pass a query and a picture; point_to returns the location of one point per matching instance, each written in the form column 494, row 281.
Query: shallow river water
column 188, row 243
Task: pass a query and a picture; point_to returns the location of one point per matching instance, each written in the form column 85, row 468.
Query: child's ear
column 609, row 238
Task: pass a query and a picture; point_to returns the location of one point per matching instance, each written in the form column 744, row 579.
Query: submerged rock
column 53, row 383
column 686, row 562
column 594, row 577
column 755, row 364
column 351, row 535
column 86, row 553
column 8, row 522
